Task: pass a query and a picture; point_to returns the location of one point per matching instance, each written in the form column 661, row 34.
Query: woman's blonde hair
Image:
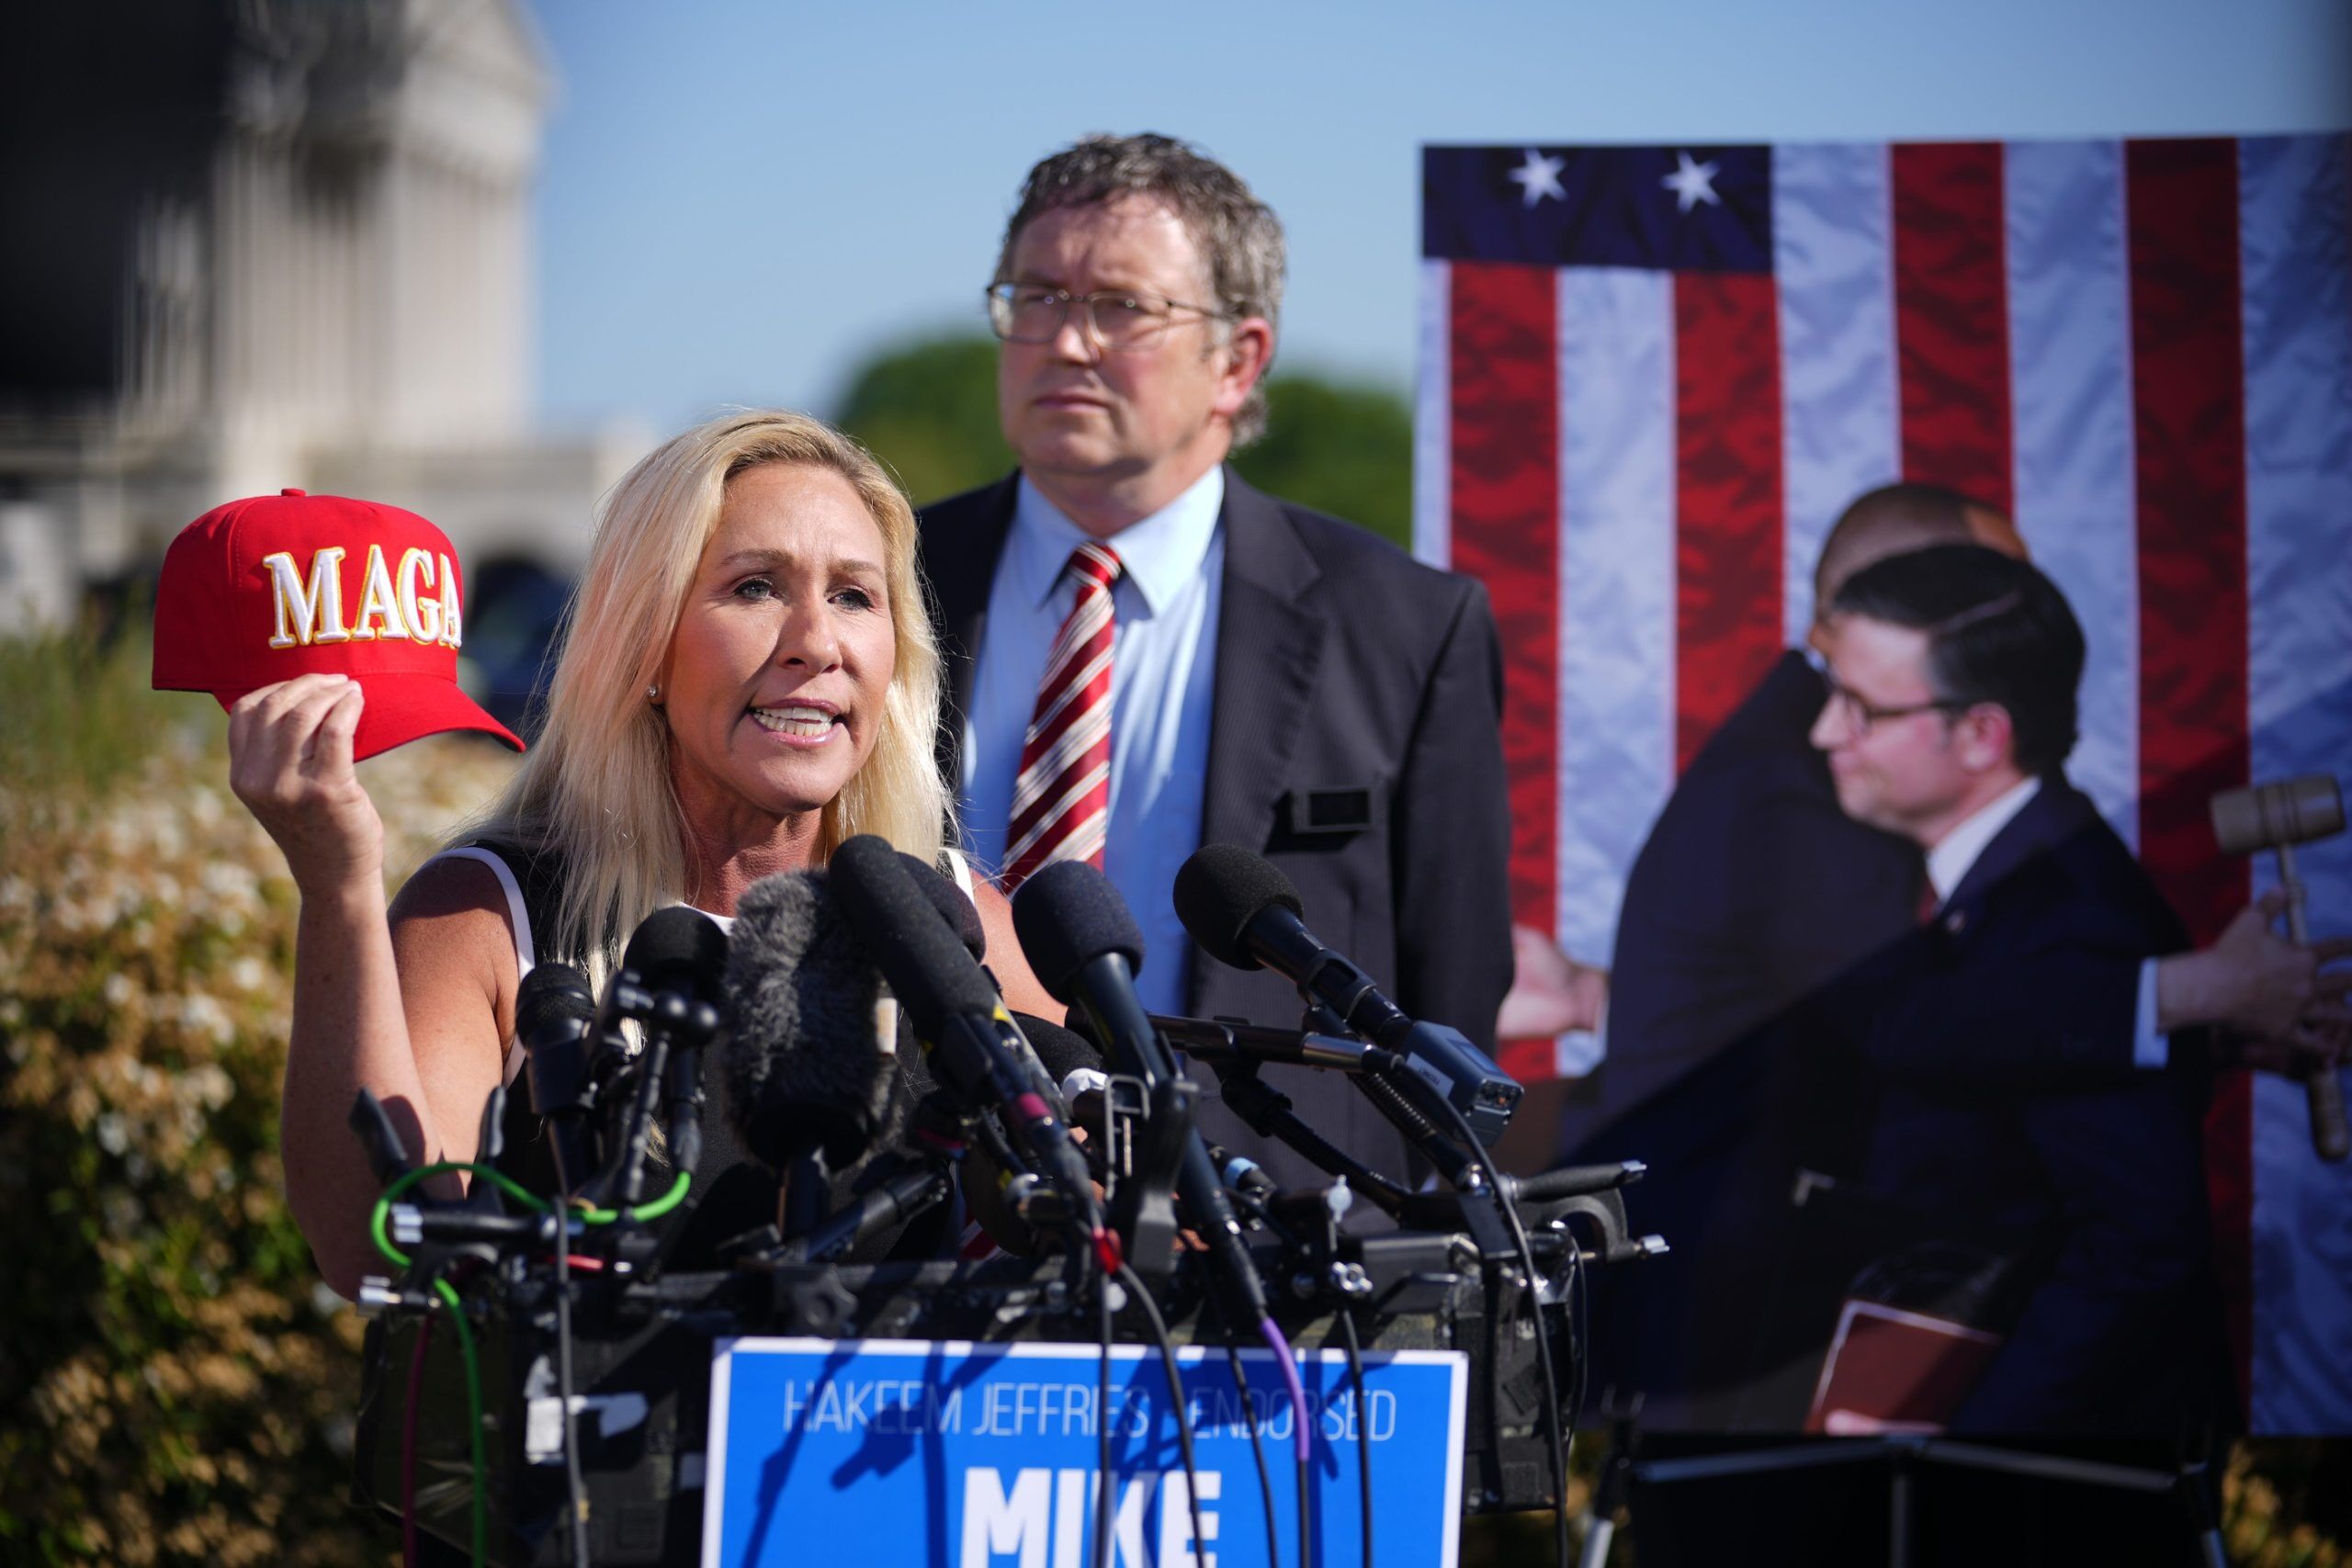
column 594, row 792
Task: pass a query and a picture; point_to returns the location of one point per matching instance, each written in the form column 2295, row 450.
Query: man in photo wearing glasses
column 2032, row 1079
column 1276, row 679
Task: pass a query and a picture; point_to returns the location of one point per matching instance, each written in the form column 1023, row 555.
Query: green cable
column 653, row 1211
column 448, row 1293
column 381, row 1217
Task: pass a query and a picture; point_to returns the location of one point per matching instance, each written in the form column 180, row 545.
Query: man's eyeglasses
column 1859, row 714
column 1119, row 319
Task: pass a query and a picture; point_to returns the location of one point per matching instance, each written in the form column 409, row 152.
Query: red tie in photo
column 1061, row 799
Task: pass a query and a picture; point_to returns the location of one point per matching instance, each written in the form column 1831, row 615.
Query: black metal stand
column 1615, row 1478
column 1904, row 1456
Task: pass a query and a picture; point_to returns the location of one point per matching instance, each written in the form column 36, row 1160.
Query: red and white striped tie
column 1061, row 798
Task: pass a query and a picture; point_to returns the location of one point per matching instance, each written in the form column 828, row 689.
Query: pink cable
column 1289, row 1364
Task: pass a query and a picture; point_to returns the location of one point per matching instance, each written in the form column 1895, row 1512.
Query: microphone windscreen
column 678, row 948
column 921, row 959
column 1220, row 890
column 549, row 992
column 1062, row 1050
column 1068, row 915
column 808, row 1064
column 953, row 906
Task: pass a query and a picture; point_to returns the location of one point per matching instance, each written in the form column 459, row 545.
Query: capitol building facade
column 266, row 243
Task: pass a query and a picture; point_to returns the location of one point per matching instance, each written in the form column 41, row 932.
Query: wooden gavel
column 2278, row 817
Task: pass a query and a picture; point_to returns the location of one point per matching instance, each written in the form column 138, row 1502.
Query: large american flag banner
column 1652, row 377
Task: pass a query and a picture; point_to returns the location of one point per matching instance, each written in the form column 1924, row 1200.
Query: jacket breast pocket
column 1327, row 818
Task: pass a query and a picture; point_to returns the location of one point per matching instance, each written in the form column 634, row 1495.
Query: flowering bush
column 176, row 1386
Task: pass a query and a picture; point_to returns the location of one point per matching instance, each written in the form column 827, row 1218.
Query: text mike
column 957, row 1016
column 1083, row 944
column 1244, row 912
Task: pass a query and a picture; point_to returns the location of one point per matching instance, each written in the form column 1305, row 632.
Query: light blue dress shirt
column 1163, row 672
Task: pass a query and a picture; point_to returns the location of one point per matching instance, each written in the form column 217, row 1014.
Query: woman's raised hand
column 290, row 762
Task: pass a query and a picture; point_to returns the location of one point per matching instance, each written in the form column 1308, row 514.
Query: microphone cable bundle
column 578, row 1059
column 794, row 1022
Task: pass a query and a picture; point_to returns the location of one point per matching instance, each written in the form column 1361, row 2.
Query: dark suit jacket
column 1752, row 898
column 1341, row 665
column 1753, row 892
column 2008, row 1105
column 1762, row 932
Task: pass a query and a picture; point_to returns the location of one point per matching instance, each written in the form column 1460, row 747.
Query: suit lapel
column 1269, row 648
column 2055, row 813
column 959, row 560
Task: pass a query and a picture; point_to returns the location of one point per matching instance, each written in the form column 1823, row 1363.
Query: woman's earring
column 654, row 693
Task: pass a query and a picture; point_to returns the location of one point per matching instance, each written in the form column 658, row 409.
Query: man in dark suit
column 2031, row 1088
column 1277, row 678
column 1745, row 952
column 1751, row 896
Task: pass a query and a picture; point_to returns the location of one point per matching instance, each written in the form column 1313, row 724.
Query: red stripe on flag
column 1951, row 309
column 2188, row 390
column 1506, row 532
column 1727, row 497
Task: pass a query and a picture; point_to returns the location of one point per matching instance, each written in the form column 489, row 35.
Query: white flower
column 203, row 1014
column 210, row 1084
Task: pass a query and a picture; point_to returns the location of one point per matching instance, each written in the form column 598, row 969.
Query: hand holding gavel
column 2277, row 816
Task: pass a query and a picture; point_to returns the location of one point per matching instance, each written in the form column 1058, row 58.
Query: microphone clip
column 1143, row 1198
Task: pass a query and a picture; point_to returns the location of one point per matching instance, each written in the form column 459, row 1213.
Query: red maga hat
column 263, row 590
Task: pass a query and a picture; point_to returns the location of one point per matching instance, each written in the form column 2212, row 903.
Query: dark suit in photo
column 1754, row 896
column 2007, row 1102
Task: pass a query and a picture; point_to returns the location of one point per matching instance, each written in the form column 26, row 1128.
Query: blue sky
column 739, row 200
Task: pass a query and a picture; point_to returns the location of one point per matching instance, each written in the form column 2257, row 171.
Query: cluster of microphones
column 803, row 1005
column 1072, row 1144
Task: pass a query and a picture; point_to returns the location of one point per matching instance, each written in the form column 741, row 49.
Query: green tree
column 928, row 408
column 1338, row 446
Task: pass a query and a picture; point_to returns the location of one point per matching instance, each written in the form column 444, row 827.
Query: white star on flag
column 1540, row 178
column 1691, row 183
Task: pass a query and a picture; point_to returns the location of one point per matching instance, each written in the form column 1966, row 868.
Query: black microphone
column 672, row 979
column 961, row 914
column 1230, row 1039
column 1076, row 1066
column 676, row 948
column 958, row 1017
column 1061, row 1050
column 1244, row 912
column 1084, row 946
column 809, row 1063
column 554, row 1012
column 1086, row 950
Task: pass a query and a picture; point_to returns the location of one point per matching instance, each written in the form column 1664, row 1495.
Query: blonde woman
column 747, row 678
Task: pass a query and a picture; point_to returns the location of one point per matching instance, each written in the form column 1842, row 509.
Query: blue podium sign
column 895, row 1453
